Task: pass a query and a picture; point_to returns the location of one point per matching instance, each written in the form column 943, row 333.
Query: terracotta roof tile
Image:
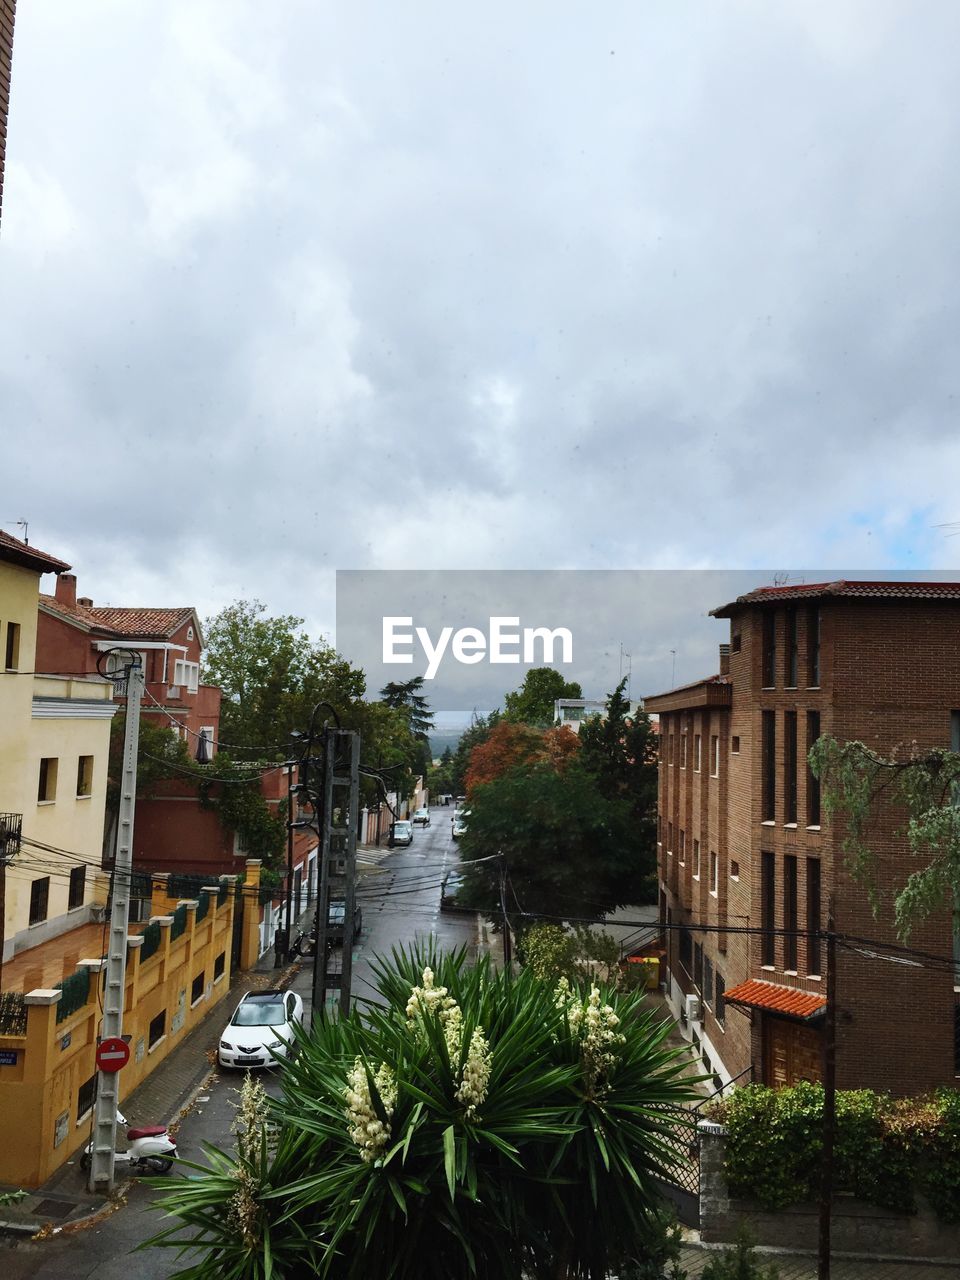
column 758, row 994
column 30, row 557
column 143, row 624
column 862, row 590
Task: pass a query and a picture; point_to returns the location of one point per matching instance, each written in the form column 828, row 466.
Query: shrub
column 473, row 1124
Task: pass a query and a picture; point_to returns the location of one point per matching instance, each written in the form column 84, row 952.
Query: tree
column 567, row 849
column 509, row 746
column 533, row 702
column 859, row 786
column 480, row 729
column 408, row 695
column 621, row 753
column 468, row 1123
column 272, row 676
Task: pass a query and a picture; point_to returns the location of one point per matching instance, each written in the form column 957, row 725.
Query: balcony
column 11, row 830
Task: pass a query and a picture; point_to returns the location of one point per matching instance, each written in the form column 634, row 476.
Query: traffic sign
column 112, row 1054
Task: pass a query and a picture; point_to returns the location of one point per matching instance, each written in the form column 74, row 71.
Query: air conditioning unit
column 691, row 1008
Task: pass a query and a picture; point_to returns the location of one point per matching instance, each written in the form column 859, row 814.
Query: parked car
column 402, row 833
column 458, row 823
column 261, row 1030
column 335, row 915
column 449, row 887
column 421, row 818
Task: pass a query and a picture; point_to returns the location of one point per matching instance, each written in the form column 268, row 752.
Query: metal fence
column 76, row 990
column 13, row 1014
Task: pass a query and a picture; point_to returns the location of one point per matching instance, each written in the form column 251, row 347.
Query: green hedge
column 887, row 1150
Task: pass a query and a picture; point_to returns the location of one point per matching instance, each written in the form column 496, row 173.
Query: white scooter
column 151, row 1149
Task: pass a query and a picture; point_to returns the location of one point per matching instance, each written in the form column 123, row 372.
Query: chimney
column 85, row 602
column 66, row 591
column 724, row 659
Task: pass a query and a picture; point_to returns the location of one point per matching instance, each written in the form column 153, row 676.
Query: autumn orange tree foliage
column 512, row 745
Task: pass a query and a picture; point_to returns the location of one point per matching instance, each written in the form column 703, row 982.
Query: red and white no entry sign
column 112, row 1054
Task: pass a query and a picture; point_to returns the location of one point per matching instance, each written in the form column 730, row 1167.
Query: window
column 734, row 870
column 12, row 659
column 768, row 781
column 768, row 671
column 713, row 872
column 85, row 776
column 86, row 1096
column 813, row 647
column 672, row 752
column 157, row 1029
column 683, row 751
column 790, row 648
column 707, row 988
column 186, row 673
column 790, row 767
column 669, row 837
column 696, row 753
column 813, row 916
column 715, row 755
column 219, row 965
column 683, row 847
column 196, row 990
column 735, row 642
column 813, row 782
column 698, row 966
column 719, row 1005
column 78, row 880
column 790, row 912
column 39, row 896
column 735, row 745
column 47, row 786
column 696, row 859
column 767, row 908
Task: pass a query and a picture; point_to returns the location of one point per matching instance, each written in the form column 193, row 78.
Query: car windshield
column 259, row 1014
column 401, row 828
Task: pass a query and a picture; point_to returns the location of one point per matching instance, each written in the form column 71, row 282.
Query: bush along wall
column 887, row 1150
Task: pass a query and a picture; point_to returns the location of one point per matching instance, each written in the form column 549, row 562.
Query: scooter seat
column 151, row 1131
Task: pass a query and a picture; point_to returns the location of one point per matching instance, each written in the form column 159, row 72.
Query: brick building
column 744, row 840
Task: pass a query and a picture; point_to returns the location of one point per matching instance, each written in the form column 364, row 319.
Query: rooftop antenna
column 22, row 524
column 673, row 669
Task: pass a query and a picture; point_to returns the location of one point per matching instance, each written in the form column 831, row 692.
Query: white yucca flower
column 367, row 1130
column 475, row 1077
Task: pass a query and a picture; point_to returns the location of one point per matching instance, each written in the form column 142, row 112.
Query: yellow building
column 54, row 744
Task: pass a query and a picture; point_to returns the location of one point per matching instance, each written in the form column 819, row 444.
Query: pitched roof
column 142, row 624
column 843, row 587
column 16, row 552
column 757, row 994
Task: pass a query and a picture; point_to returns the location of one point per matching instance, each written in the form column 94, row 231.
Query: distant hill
column 445, row 738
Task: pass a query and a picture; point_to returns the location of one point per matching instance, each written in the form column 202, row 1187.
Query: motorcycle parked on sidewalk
column 151, row 1149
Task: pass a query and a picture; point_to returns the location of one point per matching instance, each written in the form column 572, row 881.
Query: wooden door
column 791, row 1052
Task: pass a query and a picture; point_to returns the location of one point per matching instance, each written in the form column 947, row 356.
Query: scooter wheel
column 158, row 1164
column 86, row 1160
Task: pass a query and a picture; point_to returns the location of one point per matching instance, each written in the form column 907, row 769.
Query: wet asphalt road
column 400, row 897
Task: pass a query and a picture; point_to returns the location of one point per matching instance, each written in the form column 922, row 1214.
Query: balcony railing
column 11, row 833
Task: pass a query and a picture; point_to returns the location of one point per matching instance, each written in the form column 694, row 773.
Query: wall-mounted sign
column 8, row 1057
column 65, row 1041
column 61, row 1127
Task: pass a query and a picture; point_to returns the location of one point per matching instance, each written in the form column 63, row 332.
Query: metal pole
column 291, row 793
column 108, row 1087
column 829, row 1100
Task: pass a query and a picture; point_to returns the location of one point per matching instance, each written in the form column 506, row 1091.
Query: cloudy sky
column 307, row 286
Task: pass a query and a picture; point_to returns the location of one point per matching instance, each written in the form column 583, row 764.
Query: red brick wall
column 8, row 10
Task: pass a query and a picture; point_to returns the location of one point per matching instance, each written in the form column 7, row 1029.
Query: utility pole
column 338, row 813
column 11, row 826
column 829, row 1099
column 108, row 1086
column 507, row 941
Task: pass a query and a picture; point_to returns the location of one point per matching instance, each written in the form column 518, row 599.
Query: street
column 400, row 896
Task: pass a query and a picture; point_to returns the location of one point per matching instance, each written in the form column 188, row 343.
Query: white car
column 421, row 818
column 458, row 823
column 261, row 1030
column 401, row 833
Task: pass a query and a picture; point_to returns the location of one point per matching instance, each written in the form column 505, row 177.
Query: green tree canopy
column 407, row 698
column 620, row 751
column 917, row 791
column 272, row 676
column 480, row 729
column 533, row 702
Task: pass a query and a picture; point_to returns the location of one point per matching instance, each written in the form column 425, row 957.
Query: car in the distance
column 421, row 818
column 261, row 1031
column 458, row 823
column 401, row 833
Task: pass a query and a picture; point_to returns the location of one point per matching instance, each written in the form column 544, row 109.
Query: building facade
column 751, row 866
column 54, row 746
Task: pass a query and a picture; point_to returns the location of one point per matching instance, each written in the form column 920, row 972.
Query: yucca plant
column 474, row 1124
